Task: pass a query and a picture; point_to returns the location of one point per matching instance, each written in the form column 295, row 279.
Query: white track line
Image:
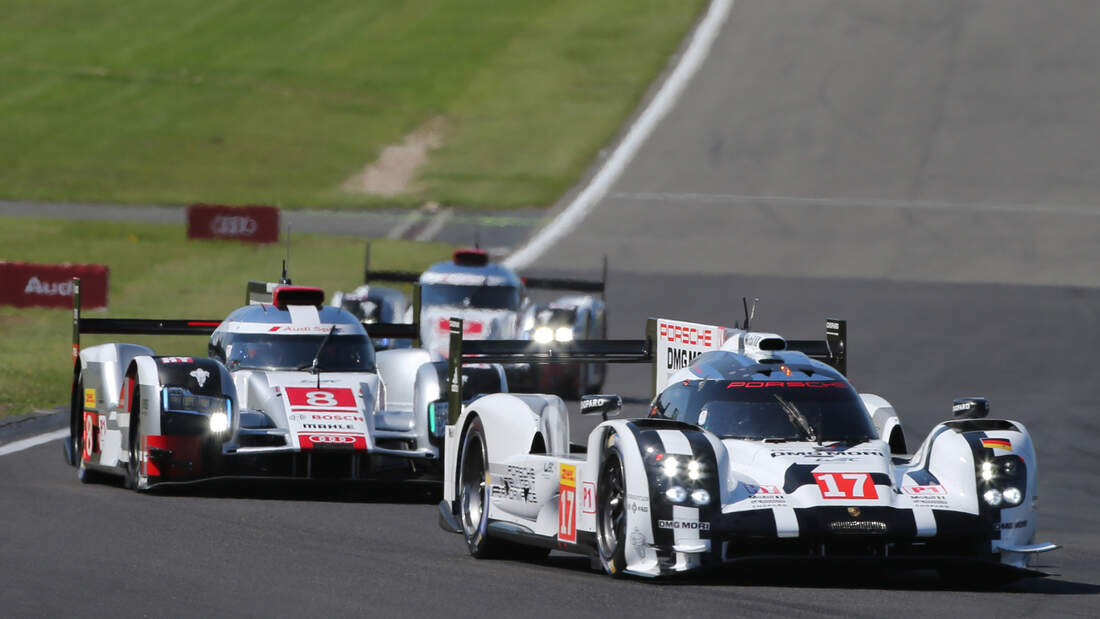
column 666, row 97
column 405, row 225
column 435, row 225
column 27, row 443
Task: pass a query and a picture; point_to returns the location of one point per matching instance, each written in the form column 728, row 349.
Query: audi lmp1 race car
column 291, row 389
column 755, row 447
column 492, row 300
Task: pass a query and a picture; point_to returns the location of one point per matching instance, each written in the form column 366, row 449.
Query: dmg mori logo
column 233, row 225
column 328, row 438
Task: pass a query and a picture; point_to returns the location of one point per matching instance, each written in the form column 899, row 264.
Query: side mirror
column 602, row 404
column 970, row 408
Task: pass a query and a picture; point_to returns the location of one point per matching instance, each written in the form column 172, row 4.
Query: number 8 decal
column 320, row 398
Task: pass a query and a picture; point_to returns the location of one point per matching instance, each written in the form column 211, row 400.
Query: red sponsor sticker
column 312, row 441
column 925, row 490
column 588, row 497
column 310, row 399
column 846, row 485
column 690, row 335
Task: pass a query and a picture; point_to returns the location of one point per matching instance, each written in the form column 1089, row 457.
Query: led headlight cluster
column 217, row 408
column 1002, row 481
column 546, row 334
column 673, row 472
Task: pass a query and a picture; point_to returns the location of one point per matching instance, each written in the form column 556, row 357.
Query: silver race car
column 755, row 447
column 493, row 301
column 291, row 388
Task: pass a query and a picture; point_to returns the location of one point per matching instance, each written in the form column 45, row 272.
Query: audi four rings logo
column 328, row 438
column 233, row 225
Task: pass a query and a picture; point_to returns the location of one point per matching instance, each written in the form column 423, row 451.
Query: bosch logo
column 233, row 225
column 691, row 336
column 331, row 439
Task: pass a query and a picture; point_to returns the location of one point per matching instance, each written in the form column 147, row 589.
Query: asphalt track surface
column 957, row 104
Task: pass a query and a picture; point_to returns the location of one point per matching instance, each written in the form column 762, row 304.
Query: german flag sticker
column 997, row 443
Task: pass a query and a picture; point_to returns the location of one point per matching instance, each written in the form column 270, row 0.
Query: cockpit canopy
column 822, row 410
column 261, row 337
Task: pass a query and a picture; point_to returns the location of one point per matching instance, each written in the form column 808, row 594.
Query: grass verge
column 157, row 273
column 279, row 102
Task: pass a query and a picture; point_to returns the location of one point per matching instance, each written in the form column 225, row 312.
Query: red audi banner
column 258, row 224
column 24, row 284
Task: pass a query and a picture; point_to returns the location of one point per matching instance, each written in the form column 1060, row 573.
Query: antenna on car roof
column 477, row 238
column 749, row 314
column 284, row 279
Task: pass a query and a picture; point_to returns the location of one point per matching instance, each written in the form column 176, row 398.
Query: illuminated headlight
column 993, row 497
column 676, row 494
column 987, row 471
column 693, row 469
column 1012, row 495
column 700, row 496
column 563, row 334
column 1009, row 467
column 219, row 422
column 671, row 467
column 543, row 335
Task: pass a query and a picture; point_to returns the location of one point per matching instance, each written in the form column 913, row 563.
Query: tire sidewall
column 614, row 563
column 477, row 542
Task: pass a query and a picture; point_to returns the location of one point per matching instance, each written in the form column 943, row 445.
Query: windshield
column 785, row 411
column 485, row 297
column 260, row 351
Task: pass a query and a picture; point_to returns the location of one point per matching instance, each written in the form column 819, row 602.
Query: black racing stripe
column 798, row 475
column 703, row 452
column 649, row 444
column 991, row 517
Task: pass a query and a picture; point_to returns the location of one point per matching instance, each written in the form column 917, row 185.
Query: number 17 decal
column 567, row 504
column 846, row 485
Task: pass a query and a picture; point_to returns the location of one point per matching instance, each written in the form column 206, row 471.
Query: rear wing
column 668, row 346
column 192, row 326
column 264, row 292
column 528, row 351
column 676, row 344
column 536, row 283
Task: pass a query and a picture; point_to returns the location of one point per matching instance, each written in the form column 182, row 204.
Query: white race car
column 755, row 447
column 291, row 388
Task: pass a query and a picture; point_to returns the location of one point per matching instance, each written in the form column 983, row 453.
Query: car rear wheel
column 611, row 510
column 133, row 464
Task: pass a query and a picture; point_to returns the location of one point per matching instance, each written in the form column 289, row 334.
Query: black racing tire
column 75, row 445
column 133, row 463
column 611, row 509
column 473, row 492
column 473, row 502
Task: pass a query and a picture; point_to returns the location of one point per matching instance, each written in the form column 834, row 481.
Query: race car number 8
column 320, row 398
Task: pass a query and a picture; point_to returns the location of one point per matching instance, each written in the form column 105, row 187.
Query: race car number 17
column 567, row 504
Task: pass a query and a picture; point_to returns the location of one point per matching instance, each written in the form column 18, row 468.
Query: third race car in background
column 755, row 447
column 494, row 303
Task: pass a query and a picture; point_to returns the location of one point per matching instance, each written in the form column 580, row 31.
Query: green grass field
column 279, row 102
column 157, row 273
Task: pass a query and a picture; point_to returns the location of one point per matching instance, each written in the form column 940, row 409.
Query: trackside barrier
column 25, row 284
column 256, row 224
